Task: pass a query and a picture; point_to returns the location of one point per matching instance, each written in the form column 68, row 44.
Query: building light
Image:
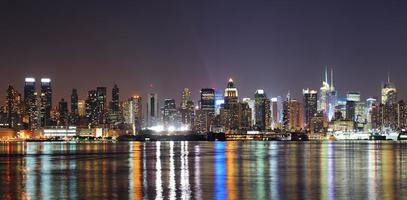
column 30, row 80
column 45, row 80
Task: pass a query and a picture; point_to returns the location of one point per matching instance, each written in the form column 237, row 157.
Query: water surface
column 203, row 170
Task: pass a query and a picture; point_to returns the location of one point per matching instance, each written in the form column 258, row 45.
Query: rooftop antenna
column 332, row 77
column 388, row 77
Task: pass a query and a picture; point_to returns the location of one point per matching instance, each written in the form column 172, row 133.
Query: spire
column 326, row 74
column 388, row 77
column 332, row 78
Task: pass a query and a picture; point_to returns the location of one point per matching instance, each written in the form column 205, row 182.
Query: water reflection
column 203, row 170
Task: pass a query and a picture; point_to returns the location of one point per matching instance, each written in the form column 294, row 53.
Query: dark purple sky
column 276, row 45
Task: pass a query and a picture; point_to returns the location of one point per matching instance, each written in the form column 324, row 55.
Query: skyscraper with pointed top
column 328, row 96
column 389, row 92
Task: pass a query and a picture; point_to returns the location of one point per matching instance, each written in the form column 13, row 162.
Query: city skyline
column 276, row 46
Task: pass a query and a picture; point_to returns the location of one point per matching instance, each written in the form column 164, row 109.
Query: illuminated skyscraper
column 231, row 95
column 296, row 116
column 101, row 109
column 251, row 104
column 46, row 101
column 187, row 109
column 169, row 114
column 353, row 96
column 152, row 110
column 132, row 113
column 328, row 96
column 310, row 105
column 13, row 107
column 204, row 117
column 389, row 92
column 29, row 102
column 81, row 108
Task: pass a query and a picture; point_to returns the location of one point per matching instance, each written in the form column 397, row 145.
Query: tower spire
column 326, row 74
column 388, row 77
column 332, row 77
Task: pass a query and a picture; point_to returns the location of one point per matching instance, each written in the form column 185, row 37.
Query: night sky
column 275, row 45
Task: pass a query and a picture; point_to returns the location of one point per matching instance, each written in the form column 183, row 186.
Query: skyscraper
column 204, row 117
column 231, row 95
column 389, row 92
column 169, row 113
column 13, row 106
column 101, row 95
column 328, row 96
column 92, row 108
column 81, row 108
column 115, row 99
column 353, row 96
column 295, row 115
column 63, row 113
column 152, row 110
column 310, row 105
column 132, row 113
column 29, row 102
column 187, row 109
column 74, row 115
column 46, row 101
column 263, row 110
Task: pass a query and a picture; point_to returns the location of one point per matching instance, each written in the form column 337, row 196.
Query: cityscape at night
column 321, row 114
column 203, row 99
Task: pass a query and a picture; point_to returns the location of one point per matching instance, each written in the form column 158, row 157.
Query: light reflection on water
column 203, row 170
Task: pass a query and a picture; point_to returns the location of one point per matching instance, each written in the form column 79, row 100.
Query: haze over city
column 278, row 46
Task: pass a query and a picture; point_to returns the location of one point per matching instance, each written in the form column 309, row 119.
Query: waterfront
column 203, row 170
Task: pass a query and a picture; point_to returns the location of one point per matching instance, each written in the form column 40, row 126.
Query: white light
column 171, row 129
column 260, row 91
column 45, row 80
column 30, row 80
column 158, row 128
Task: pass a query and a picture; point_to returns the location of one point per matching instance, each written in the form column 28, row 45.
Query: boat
column 385, row 134
column 350, row 135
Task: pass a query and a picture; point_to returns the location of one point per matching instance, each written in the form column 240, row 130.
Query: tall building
column 328, row 96
column 350, row 110
column 187, row 109
column 81, row 108
column 251, row 104
column 263, row 111
column 389, row 92
column 74, row 115
column 115, row 117
column 231, row 95
column 229, row 114
column 204, row 117
column 63, row 113
column 46, row 102
column 370, row 102
column 152, row 110
column 295, row 116
column 92, row 108
column 13, row 108
column 132, row 113
column 115, row 99
column 310, row 105
column 30, row 100
column 169, row 114
column 101, row 109
column 353, row 96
